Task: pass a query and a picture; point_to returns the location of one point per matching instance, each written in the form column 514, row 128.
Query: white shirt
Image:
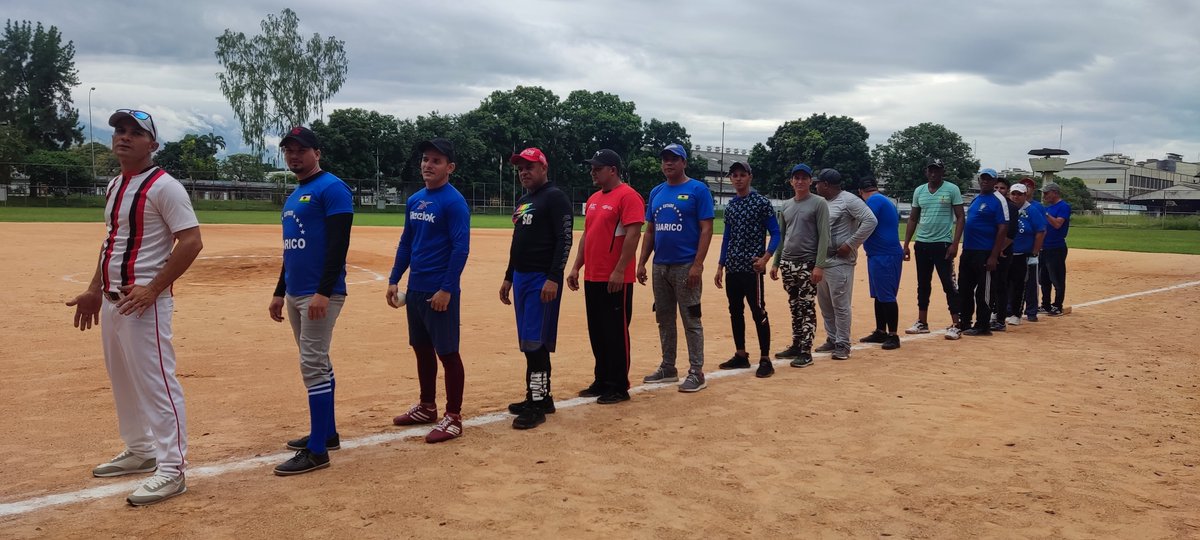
column 142, row 214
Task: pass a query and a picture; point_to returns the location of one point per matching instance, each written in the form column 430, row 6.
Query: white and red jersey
column 143, row 212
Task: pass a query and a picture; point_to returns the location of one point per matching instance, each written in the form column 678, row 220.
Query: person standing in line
column 999, row 299
column 1027, row 245
column 983, row 239
column 1033, row 269
column 1053, row 259
column 434, row 245
column 803, row 248
column 749, row 217
column 679, row 224
column 317, row 218
column 850, row 223
column 541, row 243
column 153, row 237
column 937, row 222
column 885, row 261
column 612, row 225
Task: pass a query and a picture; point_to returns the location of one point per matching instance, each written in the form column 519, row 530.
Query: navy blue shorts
column 883, row 275
column 429, row 327
column 537, row 322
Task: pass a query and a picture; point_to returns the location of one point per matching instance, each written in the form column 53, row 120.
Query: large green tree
column 595, row 120
column 901, row 161
column 243, row 168
column 645, row 164
column 351, row 139
column 56, row 169
column 193, row 157
column 37, row 72
column 278, row 79
column 106, row 164
column 821, row 141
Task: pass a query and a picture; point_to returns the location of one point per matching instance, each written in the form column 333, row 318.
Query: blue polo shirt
column 984, row 218
column 677, row 212
column 1030, row 221
column 885, row 239
column 304, row 243
column 1057, row 238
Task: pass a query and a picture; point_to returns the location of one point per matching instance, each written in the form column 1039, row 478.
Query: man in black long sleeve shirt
column 542, row 224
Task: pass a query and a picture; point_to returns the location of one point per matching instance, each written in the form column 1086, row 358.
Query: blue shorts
column 883, row 275
column 429, row 327
column 537, row 322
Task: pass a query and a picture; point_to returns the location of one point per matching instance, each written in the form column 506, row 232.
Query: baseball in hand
column 400, row 298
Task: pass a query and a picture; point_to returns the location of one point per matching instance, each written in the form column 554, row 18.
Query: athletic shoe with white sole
column 421, row 413
column 662, row 375
column 693, row 383
column 125, row 463
column 304, row 461
column 449, row 428
column 841, row 352
column 953, row 332
column 804, row 360
column 157, row 488
column 1013, row 321
column 918, row 328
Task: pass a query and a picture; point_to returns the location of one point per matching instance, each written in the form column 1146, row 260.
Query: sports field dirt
column 1081, row 426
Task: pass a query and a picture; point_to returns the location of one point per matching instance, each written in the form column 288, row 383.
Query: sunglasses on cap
column 140, row 115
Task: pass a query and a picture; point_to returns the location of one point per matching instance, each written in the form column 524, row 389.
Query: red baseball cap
column 532, row 155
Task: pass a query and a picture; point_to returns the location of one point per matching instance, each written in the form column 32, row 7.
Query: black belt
column 112, row 296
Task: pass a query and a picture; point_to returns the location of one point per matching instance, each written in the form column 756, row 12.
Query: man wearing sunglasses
column 153, row 237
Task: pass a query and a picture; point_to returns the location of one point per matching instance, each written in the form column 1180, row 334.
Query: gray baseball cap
column 1051, row 186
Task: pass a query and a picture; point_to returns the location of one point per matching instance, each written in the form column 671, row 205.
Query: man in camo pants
column 805, row 243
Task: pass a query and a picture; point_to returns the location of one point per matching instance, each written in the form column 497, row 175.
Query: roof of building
column 1178, row 192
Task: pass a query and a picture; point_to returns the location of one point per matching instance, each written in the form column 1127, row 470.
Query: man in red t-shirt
column 612, row 225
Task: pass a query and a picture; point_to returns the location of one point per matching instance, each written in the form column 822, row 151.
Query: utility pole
column 721, row 165
column 91, row 137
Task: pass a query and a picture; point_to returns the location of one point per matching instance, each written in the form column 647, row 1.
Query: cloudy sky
column 1003, row 74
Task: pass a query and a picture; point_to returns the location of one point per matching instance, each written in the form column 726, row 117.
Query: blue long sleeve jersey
column 435, row 241
column 748, row 220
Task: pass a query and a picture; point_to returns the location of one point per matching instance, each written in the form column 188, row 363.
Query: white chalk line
column 374, row 276
column 219, row 469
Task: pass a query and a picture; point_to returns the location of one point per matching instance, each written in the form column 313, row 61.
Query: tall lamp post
column 91, row 138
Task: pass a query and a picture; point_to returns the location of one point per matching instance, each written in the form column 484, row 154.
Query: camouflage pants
column 802, row 300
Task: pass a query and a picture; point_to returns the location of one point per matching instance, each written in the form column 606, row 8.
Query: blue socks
column 320, row 412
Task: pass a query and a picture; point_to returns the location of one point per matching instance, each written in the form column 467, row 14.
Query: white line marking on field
column 374, row 276
column 209, row 471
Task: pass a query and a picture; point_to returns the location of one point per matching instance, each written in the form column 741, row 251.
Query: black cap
column 442, row 146
column 302, row 135
column 605, row 158
column 868, row 182
column 739, row 164
column 829, row 175
column 935, row 162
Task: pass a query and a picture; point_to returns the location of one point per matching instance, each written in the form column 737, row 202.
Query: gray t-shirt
column 805, row 230
column 850, row 222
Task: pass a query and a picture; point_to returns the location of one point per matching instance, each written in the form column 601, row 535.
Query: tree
column 243, row 168
column 351, row 138
column 510, row 121
column 106, row 163
column 13, row 149
column 36, row 73
column 57, row 169
column 193, row 156
column 276, row 80
column 216, row 142
column 645, row 165
column 1075, row 191
column 595, row 120
column 821, row 141
column 901, row 160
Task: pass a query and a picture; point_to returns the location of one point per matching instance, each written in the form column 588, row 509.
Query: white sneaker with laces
column 125, row 463
column 953, row 332
column 158, row 488
column 1013, row 321
column 918, row 328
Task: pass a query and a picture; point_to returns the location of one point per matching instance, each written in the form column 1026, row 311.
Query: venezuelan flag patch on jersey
column 305, row 198
column 682, row 197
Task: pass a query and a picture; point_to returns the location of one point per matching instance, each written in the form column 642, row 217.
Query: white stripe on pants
column 141, row 367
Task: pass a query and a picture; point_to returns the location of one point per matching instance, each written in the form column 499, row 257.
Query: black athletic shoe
column 304, row 461
column 804, row 360
column 546, row 405
column 828, row 347
column 876, row 337
column 529, row 418
column 1054, row 311
column 609, row 399
column 333, row 442
column 791, row 352
column 891, row 343
column 765, row 369
column 591, row 391
column 736, row 362
column 999, row 327
column 976, row 332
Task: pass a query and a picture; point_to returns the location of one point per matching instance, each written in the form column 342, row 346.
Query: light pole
column 377, row 137
column 91, row 138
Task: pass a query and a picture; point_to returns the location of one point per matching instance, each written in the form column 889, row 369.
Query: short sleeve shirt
column 143, row 213
column 1057, row 238
column 937, row 212
column 885, row 239
column 677, row 212
column 304, row 245
column 984, row 217
column 605, row 218
column 1030, row 221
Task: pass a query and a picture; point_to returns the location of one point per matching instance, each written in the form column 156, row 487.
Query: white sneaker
column 1013, row 321
column 125, row 463
column 953, row 332
column 918, row 328
column 158, row 488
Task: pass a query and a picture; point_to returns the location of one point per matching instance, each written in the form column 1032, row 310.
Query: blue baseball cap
column 674, row 149
column 800, row 167
column 989, row 172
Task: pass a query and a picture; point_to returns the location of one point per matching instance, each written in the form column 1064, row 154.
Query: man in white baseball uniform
column 153, row 237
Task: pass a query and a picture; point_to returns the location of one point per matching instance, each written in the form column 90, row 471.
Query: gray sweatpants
column 671, row 293
column 313, row 337
column 833, row 295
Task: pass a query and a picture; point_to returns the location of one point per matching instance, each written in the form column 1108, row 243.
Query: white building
column 1121, row 176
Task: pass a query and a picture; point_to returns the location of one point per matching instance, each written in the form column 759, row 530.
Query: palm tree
column 213, row 141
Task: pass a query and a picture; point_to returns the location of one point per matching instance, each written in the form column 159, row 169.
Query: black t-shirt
column 542, row 224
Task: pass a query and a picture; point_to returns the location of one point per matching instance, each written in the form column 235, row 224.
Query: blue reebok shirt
column 435, row 241
column 304, row 242
column 1057, row 238
column 676, row 212
column 984, row 217
column 885, row 239
column 1030, row 221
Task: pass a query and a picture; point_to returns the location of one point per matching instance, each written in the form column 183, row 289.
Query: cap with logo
column 302, row 136
column 800, row 167
column 532, row 155
column 739, row 165
column 674, row 148
column 442, row 146
column 935, row 163
column 605, row 158
column 142, row 118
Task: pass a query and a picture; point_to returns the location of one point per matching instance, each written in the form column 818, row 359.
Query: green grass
column 1177, row 223
column 1143, row 239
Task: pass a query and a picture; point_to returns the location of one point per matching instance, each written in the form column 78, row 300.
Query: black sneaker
column 804, row 360
column 616, row 397
column 546, row 405
column 529, row 418
column 791, row 352
column 876, row 337
column 828, row 346
column 304, row 461
column 736, row 362
column 591, row 391
column 765, row 368
column 976, row 332
column 999, row 327
column 333, row 442
column 891, row 343
column 841, row 352
column 1054, row 311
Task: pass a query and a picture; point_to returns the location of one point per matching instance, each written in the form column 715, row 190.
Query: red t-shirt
column 604, row 223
